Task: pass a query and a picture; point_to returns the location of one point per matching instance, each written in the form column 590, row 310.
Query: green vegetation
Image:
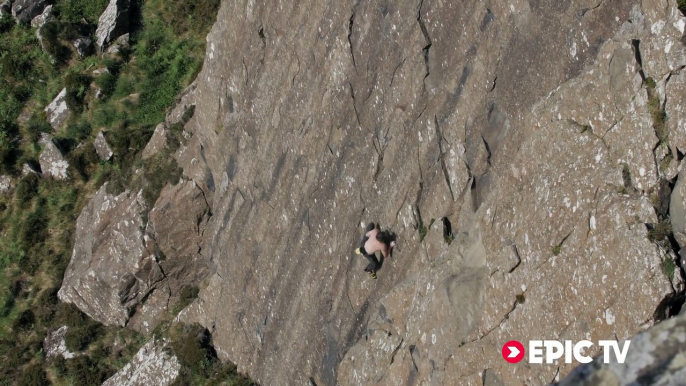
column 682, row 6
column 37, row 221
column 520, row 299
column 660, row 231
column 187, row 295
column 557, row 249
column 199, row 363
column 657, row 113
column 668, row 267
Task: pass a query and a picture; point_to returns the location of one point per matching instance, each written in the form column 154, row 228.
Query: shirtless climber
column 375, row 241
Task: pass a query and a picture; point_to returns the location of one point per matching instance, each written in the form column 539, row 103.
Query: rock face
column 519, row 166
column 55, row 345
column 102, row 148
column 43, row 18
column 152, row 365
column 57, row 111
column 83, row 46
column 655, row 357
column 117, row 274
column 52, row 162
column 113, row 23
column 25, row 10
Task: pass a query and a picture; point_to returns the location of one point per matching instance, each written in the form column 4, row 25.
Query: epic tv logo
column 548, row 351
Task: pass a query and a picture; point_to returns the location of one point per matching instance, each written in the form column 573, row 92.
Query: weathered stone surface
column 52, row 162
column 27, row 169
column 121, row 43
column 157, row 142
column 111, row 270
column 25, row 10
column 57, row 111
column 102, row 148
column 152, row 365
column 43, row 18
column 55, row 346
column 84, row 46
column 5, row 183
column 535, row 143
column 677, row 208
column 656, row 357
column 113, row 23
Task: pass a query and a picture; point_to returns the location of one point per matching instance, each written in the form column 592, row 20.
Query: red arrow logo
column 513, row 351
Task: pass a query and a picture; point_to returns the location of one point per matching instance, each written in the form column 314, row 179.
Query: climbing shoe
column 372, row 274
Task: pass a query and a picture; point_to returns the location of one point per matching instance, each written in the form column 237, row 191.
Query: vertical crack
column 442, row 157
column 350, row 32
column 425, row 32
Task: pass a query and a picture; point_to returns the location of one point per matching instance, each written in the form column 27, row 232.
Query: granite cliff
column 524, row 152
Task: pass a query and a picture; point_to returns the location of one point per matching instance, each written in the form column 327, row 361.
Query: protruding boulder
column 157, row 142
column 154, row 364
column 110, row 270
column 58, row 111
column 113, row 23
column 102, row 147
column 654, row 357
column 43, row 18
column 54, row 344
column 83, row 45
column 27, row 169
column 25, row 10
column 52, row 162
column 5, row 184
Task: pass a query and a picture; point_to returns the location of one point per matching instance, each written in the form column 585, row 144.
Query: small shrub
column 668, row 267
column 26, row 189
column 557, row 250
column 186, row 296
column 87, row 372
column 521, row 299
column 24, row 321
column 79, row 337
column 33, row 375
column 77, row 85
column 682, row 6
column 161, row 170
column 660, row 231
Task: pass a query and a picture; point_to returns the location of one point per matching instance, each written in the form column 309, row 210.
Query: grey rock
column 54, row 344
column 25, row 10
column 655, row 357
column 119, row 44
column 157, row 142
column 84, row 46
column 542, row 164
column 52, row 162
column 5, row 184
column 40, row 20
column 57, row 111
column 154, row 364
column 113, row 23
column 100, row 71
column 6, row 8
column 110, row 270
column 677, row 207
column 27, row 169
column 102, row 148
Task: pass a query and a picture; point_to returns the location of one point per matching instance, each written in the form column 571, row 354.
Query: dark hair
column 386, row 237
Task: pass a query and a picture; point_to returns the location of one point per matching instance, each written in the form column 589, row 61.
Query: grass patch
column 557, row 250
column 520, row 299
column 660, row 231
column 668, row 267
